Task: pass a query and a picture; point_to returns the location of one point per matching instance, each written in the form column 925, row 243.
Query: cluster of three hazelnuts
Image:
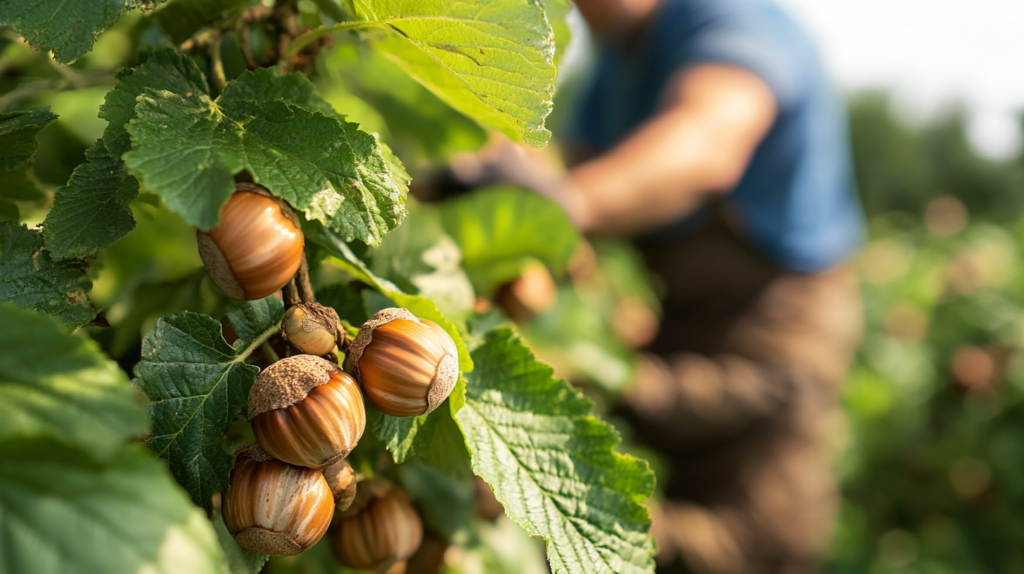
column 308, row 414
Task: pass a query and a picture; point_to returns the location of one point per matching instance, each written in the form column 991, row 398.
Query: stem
column 220, row 81
column 269, row 352
column 291, row 293
column 300, row 42
column 302, row 279
column 264, row 336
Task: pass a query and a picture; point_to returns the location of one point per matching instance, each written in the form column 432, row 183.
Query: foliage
column 215, row 93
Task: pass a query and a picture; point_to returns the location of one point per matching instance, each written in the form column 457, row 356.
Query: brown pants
column 739, row 392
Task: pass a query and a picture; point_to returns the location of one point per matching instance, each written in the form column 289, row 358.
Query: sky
column 931, row 54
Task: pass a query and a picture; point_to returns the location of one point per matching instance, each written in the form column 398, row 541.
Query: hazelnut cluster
column 307, row 413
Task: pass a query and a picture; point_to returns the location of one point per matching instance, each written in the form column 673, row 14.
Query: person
column 710, row 134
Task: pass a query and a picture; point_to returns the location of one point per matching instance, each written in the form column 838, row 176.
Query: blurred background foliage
column 930, row 456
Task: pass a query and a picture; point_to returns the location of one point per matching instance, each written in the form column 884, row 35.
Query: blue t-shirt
column 797, row 200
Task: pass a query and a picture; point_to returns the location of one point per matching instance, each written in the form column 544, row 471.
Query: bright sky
column 930, row 53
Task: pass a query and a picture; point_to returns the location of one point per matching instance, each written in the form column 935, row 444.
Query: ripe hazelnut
column 528, row 295
column 275, row 508
column 342, row 480
column 407, row 366
column 306, row 411
column 312, row 328
column 257, row 247
column 387, row 531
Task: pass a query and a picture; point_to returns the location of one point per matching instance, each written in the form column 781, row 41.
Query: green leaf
column 492, row 62
column 30, row 278
column 57, row 385
column 18, row 131
column 420, row 306
column 399, row 434
column 179, row 19
column 499, row 229
column 92, row 211
column 238, row 559
column 187, row 150
column 446, row 503
column 200, row 384
column 558, row 13
column 268, row 85
column 347, row 302
column 165, row 70
column 256, row 317
column 18, row 144
column 67, row 28
column 64, row 513
column 421, row 258
column 552, row 464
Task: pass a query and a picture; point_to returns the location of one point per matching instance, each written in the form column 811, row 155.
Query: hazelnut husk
column 312, row 328
column 407, row 366
column 342, row 480
column 384, row 533
column 306, row 411
column 257, row 246
column 272, row 507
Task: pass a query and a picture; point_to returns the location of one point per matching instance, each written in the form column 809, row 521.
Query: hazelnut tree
column 330, row 363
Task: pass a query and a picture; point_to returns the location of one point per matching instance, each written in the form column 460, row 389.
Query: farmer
column 710, row 135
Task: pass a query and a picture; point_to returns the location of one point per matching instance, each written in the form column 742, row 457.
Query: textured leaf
column 499, row 229
column 18, row 131
column 64, row 513
column 256, row 317
column 238, row 559
column 418, row 305
column 187, row 150
column 446, row 503
column 492, row 61
column 18, row 144
column 30, row 278
column 57, row 385
column 552, row 464
column 67, row 28
column 165, row 70
column 199, row 384
column 399, row 434
column 179, row 19
column 421, row 258
column 268, row 85
column 92, row 211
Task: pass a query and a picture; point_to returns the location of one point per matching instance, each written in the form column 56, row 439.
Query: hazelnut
column 275, row 508
column 312, row 328
column 306, row 411
column 257, row 247
column 528, row 295
column 342, row 480
column 407, row 366
column 386, row 532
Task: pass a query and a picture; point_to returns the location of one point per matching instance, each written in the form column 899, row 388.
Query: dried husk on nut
column 444, row 374
column 342, row 480
column 312, row 328
column 272, row 507
column 306, row 411
column 288, row 382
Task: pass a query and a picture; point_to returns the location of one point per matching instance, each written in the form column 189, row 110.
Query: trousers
column 740, row 394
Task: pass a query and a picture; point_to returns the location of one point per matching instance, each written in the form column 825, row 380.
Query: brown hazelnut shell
column 306, row 411
column 275, row 508
column 257, row 246
column 385, row 532
column 406, row 365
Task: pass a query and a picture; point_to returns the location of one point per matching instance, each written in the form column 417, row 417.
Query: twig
column 291, row 293
column 302, row 279
column 246, row 50
column 269, row 352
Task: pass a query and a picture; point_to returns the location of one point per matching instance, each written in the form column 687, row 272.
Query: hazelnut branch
column 302, row 279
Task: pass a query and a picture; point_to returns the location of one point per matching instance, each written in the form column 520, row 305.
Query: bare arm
column 713, row 118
